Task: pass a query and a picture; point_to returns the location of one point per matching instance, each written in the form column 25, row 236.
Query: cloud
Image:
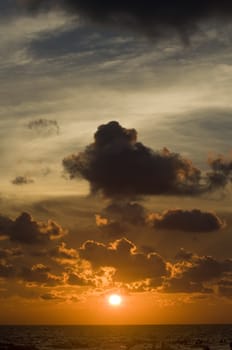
column 75, row 280
column 112, row 228
column 6, row 270
column 221, row 164
column 184, row 285
column 44, row 127
column 146, row 271
column 116, row 217
column 225, row 288
column 40, row 274
column 64, row 255
column 10, row 252
column 207, row 268
column 24, row 229
column 7, row 7
column 129, row 265
column 53, row 296
column 129, row 212
column 117, row 165
column 186, row 220
column 194, row 273
column 64, row 252
column 183, row 255
column 222, row 168
column 152, row 18
column 22, row 180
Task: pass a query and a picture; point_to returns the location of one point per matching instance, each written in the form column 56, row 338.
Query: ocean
column 146, row 337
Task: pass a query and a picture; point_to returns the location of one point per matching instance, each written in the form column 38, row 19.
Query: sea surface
column 163, row 337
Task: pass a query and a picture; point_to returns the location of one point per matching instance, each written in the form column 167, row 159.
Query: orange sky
column 116, row 165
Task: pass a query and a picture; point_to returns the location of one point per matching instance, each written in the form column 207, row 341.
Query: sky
column 115, row 141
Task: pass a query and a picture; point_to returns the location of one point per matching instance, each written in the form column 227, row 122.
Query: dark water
column 116, row 337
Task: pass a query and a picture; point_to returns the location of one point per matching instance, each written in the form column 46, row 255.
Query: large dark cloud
column 117, row 165
column 187, row 220
column 24, row 229
column 152, row 18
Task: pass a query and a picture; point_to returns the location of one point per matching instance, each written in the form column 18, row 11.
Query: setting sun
column 115, row 300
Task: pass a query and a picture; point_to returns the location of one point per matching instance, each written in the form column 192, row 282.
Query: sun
column 115, row 300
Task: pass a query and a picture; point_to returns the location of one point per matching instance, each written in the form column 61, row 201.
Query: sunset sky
column 116, row 161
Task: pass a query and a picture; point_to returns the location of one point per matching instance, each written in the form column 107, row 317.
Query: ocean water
column 163, row 337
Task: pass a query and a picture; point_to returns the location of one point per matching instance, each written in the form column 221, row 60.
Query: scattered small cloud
column 22, row 180
column 44, row 127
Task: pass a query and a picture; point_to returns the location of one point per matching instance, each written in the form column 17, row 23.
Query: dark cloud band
column 152, row 18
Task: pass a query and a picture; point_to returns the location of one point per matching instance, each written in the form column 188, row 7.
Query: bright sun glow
column 115, row 300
